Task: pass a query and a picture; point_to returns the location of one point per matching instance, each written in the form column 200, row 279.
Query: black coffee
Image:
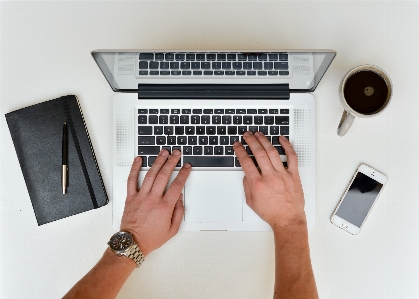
column 366, row 92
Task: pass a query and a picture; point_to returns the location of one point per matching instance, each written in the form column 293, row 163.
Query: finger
column 292, row 159
column 153, row 171
column 163, row 176
column 246, row 162
column 177, row 217
column 259, row 152
column 271, row 151
column 178, row 183
column 247, row 192
column 132, row 183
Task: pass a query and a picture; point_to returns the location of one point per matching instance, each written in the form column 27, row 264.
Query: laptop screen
column 297, row 71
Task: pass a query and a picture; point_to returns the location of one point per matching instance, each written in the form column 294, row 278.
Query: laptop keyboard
column 205, row 136
column 213, row 64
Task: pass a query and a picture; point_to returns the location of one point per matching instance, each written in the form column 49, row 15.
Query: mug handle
column 345, row 123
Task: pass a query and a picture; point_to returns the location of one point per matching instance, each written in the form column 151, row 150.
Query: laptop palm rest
column 214, row 197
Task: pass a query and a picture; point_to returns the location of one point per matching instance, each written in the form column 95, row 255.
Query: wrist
column 123, row 263
column 293, row 233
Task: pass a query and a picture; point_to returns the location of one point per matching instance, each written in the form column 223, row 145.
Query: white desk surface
column 45, row 53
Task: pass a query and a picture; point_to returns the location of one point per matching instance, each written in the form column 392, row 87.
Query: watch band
column 135, row 254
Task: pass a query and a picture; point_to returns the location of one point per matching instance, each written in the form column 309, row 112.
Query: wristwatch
column 123, row 244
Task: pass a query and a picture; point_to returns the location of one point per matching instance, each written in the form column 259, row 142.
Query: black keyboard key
column 251, row 73
column 257, row 65
column 165, row 73
column 164, row 111
column 248, row 120
column 211, row 56
column 229, row 150
column 159, row 56
column 241, row 57
column 219, row 111
column 164, row 65
column 187, row 150
column 143, row 73
column 161, row 140
column 247, row 65
column 218, row 150
column 154, row 73
column 177, row 148
column 216, row 65
column 179, row 130
column 230, row 73
column 232, row 130
column 203, row 161
column 154, row 65
column 273, row 73
column 195, row 119
column 268, row 65
column 230, row 111
column 175, row 73
column 218, row 73
column 251, row 111
column 153, row 111
column 203, row 140
column 274, row 130
column 190, row 57
column 281, row 65
column 200, row 130
column 163, row 119
column 197, row 150
column 186, row 111
column 258, row 120
column 252, row 57
column 234, row 139
column 284, row 73
column 269, row 120
column 175, row 111
column 185, row 65
column 221, row 130
column 211, row 130
column 231, row 57
column 168, row 130
column 224, row 140
column 169, row 56
column 153, row 119
column 216, row 119
column 151, row 160
column 205, row 65
column 145, row 130
column 200, row 57
column 263, row 57
column 237, row 163
column 237, row 119
column 280, row 150
column 262, row 73
column 262, row 111
column 284, row 130
column 192, row 140
column 241, row 111
column 283, row 56
column 273, row 57
column 240, row 73
column 184, row 119
column 190, row 130
column 237, row 65
column 253, row 129
column 221, row 57
column 174, row 65
column 208, row 111
column 146, row 140
column 275, row 140
column 180, row 56
column 142, row 119
column 144, row 162
column 226, row 119
column 208, row 73
column 213, row 140
column 149, row 56
column 197, row 111
column 174, row 119
column 208, row 150
column 158, row 130
column 241, row 130
column 195, row 65
column 142, row 111
column 171, row 140
column 148, row 150
column 181, row 140
column 273, row 111
column 226, row 65
column 263, row 130
column 284, row 111
column 282, row 120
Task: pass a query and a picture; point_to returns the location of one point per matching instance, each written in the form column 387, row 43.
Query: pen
column 64, row 177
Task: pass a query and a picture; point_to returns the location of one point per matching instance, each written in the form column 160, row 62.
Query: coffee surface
column 365, row 92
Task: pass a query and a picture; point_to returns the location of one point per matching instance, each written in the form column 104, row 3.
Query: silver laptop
column 201, row 102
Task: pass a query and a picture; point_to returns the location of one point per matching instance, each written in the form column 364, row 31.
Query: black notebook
column 37, row 133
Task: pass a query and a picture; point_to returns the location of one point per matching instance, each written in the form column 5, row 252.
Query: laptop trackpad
column 212, row 199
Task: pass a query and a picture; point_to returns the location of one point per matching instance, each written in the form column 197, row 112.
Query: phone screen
column 359, row 199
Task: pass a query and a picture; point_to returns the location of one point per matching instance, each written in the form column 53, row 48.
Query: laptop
column 201, row 102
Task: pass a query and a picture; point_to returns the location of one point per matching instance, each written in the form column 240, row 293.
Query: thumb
column 247, row 192
column 177, row 216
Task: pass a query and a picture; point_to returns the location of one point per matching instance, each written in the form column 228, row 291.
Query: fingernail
column 283, row 137
column 247, row 134
column 236, row 143
column 187, row 165
column 176, row 152
column 164, row 153
column 258, row 134
column 137, row 159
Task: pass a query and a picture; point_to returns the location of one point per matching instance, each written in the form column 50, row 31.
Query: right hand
column 274, row 193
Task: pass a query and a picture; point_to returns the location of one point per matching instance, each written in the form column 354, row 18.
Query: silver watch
column 123, row 244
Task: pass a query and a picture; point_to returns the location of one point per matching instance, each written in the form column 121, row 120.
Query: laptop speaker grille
column 126, row 64
column 124, row 135
column 301, row 64
column 303, row 142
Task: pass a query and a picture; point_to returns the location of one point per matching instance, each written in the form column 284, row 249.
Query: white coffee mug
column 358, row 92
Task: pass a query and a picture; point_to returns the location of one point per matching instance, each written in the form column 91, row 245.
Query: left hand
column 150, row 214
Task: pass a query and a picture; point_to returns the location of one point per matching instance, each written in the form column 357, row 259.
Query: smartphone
column 359, row 198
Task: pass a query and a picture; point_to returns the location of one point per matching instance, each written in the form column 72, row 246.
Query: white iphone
column 358, row 199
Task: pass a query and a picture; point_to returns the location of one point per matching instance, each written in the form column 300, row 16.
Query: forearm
column 105, row 279
column 294, row 276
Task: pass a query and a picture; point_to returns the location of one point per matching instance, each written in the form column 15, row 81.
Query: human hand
column 274, row 193
column 152, row 215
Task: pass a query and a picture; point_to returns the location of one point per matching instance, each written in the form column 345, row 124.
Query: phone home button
column 345, row 225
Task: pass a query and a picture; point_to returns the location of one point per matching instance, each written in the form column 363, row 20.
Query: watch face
column 120, row 241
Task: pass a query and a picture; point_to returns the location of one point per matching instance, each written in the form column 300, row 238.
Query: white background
column 45, row 53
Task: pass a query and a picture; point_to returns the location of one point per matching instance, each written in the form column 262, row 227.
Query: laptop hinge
column 213, row 91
